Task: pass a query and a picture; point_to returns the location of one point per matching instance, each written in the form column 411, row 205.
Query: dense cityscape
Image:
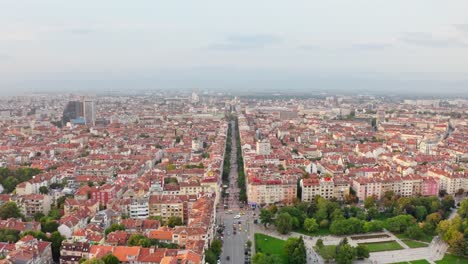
column 206, row 177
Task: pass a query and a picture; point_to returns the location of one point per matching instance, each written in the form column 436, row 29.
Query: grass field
column 382, row 246
column 414, row 243
column 425, row 238
column 270, row 245
column 451, row 259
column 319, row 232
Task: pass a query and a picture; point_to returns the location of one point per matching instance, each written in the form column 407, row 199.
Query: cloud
column 462, row 27
column 80, row 31
column 364, row 46
column 309, row 47
column 4, row 57
column 246, row 42
column 429, row 40
column 370, row 46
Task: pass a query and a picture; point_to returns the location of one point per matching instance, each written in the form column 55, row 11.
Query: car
column 237, row 216
column 228, row 258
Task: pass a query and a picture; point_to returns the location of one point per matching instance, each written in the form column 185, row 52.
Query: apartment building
column 139, row 208
column 32, row 204
column 168, row 206
column 325, row 187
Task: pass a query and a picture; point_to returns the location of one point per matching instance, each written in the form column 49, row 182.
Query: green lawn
column 419, row 261
column 270, row 245
column 327, row 252
column 319, row 232
column 413, row 243
column 382, row 246
column 451, row 259
column 425, row 238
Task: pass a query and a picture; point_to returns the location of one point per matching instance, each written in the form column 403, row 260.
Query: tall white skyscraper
column 89, row 108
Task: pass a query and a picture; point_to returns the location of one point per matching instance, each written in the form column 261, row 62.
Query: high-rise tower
column 89, row 112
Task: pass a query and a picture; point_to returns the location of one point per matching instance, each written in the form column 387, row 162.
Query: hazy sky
column 250, row 44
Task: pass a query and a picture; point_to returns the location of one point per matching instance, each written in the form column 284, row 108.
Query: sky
column 85, row 45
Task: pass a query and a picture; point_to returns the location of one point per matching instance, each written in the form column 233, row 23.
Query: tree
column 451, row 232
column 295, row 250
column 38, row 216
column 249, row 243
column 373, row 226
column 110, row 259
column 217, row 246
column 114, row 227
column 324, row 223
column 213, row 253
column 399, row 223
column 442, row 193
column 266, row 217
column 362, row 252
column 347, row 226
column 93, row 261
column 458, row 244
column 44, row 190
column 337, row 215
column 372, row 213
column 284, row 223
column 54, row 213
column 138, row 240
column 414, row 232
column 319, row 243
column 262, row 258
column 210, row 257
column 174, row 221
column 49, row 226
column 448, row 202
column 9, row 184
column 463, row 210
column 10, row 210
column 156, row 217
column 345, row 254
column 9, row 235
column 310, row 225
column 369, row 202
column 421, row 213
column 56, row 238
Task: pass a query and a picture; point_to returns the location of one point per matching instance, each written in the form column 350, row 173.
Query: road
column 233, row 246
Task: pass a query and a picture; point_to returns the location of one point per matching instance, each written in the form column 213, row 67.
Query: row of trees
column 241, row 183
column 227, row 157
column 212, row 254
